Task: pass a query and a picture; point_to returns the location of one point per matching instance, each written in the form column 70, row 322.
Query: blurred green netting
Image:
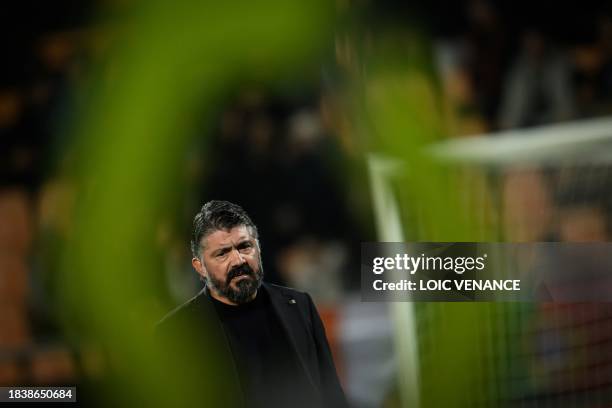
column 449, row 354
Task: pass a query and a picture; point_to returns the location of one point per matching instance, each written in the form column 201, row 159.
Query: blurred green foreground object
column 175, row 61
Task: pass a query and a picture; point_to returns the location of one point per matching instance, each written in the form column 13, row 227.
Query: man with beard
column 277, row 343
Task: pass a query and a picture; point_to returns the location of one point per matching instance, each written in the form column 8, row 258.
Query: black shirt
column 270, row 374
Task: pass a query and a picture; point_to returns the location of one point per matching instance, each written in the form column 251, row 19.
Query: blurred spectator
column 527, row 205
column 593, row 72
column 538, row 88
column 583, row 204
column 486, row 55
column 461, row 109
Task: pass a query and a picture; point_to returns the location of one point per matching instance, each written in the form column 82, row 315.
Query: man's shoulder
column 290, row 296
column 285, row 291
column 185, row 310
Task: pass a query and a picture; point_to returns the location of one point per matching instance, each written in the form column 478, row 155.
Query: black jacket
column 298, row 317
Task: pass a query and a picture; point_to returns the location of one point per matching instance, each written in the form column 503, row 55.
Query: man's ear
column 199, row 267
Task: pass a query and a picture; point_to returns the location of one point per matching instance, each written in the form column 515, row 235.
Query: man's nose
column 237, row 258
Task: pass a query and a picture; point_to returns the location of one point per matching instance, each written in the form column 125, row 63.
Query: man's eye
column 246, row 247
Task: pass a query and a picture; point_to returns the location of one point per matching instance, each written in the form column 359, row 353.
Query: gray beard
column 246, row 288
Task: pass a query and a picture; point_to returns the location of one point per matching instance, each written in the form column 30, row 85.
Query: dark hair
column 218, row 215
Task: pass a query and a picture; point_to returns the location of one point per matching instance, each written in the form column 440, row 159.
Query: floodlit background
column 119, row 119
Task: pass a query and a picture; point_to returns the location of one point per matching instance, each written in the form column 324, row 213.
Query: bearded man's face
column 230, row 262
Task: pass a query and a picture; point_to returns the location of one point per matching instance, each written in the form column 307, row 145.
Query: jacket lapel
column 288, row 314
